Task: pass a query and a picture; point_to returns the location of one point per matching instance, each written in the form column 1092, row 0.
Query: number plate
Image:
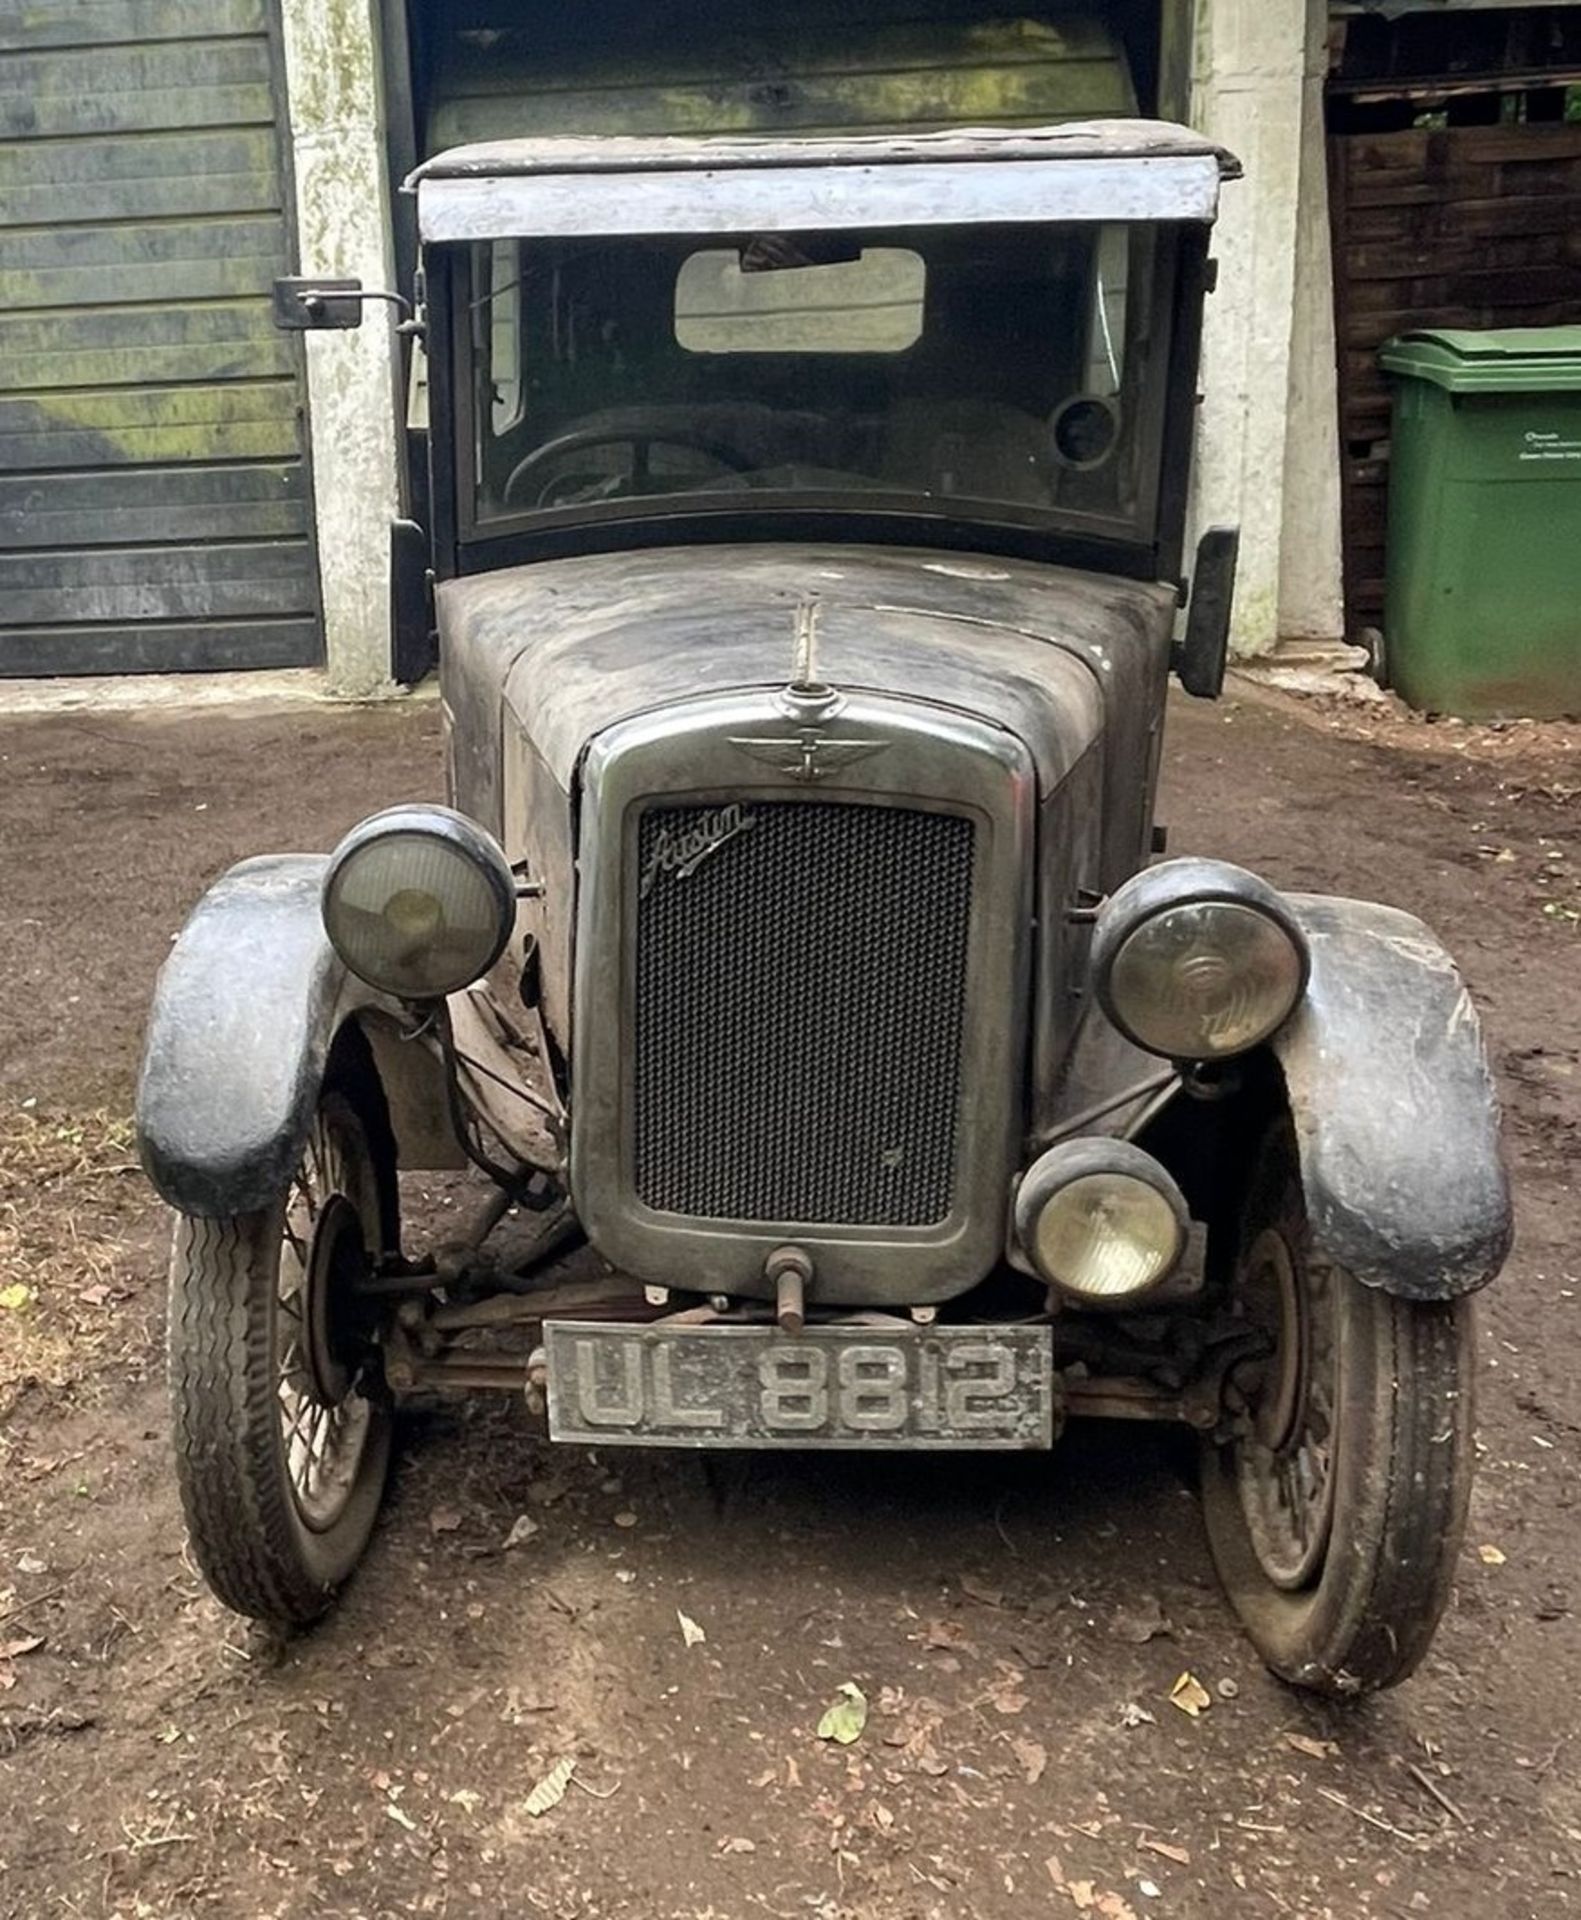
column 823, row 1387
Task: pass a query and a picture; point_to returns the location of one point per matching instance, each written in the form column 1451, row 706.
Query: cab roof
column 664, row 153
column 562, row 185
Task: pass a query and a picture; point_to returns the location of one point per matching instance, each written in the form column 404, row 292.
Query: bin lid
column 1490, row 360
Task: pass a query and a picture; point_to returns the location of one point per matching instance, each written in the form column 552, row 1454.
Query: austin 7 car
column 798, row 951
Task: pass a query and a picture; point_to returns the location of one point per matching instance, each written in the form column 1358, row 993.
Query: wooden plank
column 163, row 261
column 142, row 346
column 110, row 586
column 149, row 427
column 1450, row 253
column 820, row 103
column 203, row 646
column 139, row 176
column 1490, row 218
column 190, row 83
column 549, row 56
column 39, row 24
column 145, row 506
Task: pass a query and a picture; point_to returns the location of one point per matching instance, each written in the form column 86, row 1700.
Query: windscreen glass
column 1004, row 371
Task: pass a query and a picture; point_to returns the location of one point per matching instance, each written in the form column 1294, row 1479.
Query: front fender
column 245, row 1011
column 1395, row 1113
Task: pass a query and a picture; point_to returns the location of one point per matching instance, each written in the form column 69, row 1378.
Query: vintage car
column 806, row 561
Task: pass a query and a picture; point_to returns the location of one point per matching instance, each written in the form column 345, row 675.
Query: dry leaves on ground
column 63, row 1179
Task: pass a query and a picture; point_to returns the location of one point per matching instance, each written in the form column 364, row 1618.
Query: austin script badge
column 681, row 852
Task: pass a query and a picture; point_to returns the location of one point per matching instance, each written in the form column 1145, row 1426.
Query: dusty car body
column 807, row 557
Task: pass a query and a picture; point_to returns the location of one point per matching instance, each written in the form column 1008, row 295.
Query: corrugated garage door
column 154, row 505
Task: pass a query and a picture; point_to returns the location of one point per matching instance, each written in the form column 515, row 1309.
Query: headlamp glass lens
column 1205, row 979
column 413, row 914
column 1107, row 1236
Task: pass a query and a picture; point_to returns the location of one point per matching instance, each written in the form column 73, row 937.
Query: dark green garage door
column 154, row 509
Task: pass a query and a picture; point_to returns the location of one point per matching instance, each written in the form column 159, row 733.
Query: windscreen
column 1006, row 372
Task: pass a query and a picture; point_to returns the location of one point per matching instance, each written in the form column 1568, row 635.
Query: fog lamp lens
column 1102, row 1220
column 418, row 901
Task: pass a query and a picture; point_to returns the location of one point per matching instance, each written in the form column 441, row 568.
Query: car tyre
column 282, row 1424
column 1336, row 1514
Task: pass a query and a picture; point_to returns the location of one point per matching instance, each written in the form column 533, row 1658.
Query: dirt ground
column 1017, row 1625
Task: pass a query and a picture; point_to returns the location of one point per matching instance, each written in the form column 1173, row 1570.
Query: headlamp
column 418, row 901
column 1198, row 960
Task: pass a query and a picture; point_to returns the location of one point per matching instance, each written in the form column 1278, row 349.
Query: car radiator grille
column 800, row 992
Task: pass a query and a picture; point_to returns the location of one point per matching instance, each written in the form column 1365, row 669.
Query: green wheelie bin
column 1482, row 614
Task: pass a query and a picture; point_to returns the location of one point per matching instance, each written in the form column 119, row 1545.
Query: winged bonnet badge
column 806, row 750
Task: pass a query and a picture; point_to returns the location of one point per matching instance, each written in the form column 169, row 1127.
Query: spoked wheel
column 282, row 1427
column 1336, row 1514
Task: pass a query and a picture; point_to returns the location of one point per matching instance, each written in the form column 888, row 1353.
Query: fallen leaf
column 466, row 1799
column 96, row 1296
column 944, row 1634
column 736, row 1843
column 523, row 1527
column 28, row 1562
column 1143, row 1622
column 978, row 1590
column 1490, row 1556
column 1033, row 1756
column 1081, row 1894
column 691, row 1633
column 845, row 1718
column 13, row 1649
column 1132, row 1715
column 1190, row 1695
column 1179, row 1855
column 1112, row 1907
column 625, row 1518
column 1314, row 1749
column 14, row 1297
column 765, row 1779
column 550, row 1790
column 444, row 1520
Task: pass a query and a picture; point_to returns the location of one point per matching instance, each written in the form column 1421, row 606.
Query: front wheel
column 282, row 1428
column 1336, row 1515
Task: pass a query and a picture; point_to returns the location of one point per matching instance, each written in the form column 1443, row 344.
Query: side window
column 505, row 334
column 1106, row 346
column 751, row 300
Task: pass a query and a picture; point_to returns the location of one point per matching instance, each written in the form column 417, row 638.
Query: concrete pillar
column 1311, row 596
column 1248, row 66
column 332, row 66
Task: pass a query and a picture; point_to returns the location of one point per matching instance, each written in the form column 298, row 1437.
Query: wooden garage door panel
column 155, row 510
column 192, row 646
column 141, row 346
column 131, row 426
column 144, row 506
column 174, row 260
column 156, row 583
column 140, row 177
column 188, row 83
column 28, row 24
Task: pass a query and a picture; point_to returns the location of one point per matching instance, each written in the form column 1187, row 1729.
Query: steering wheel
column 642, row 441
